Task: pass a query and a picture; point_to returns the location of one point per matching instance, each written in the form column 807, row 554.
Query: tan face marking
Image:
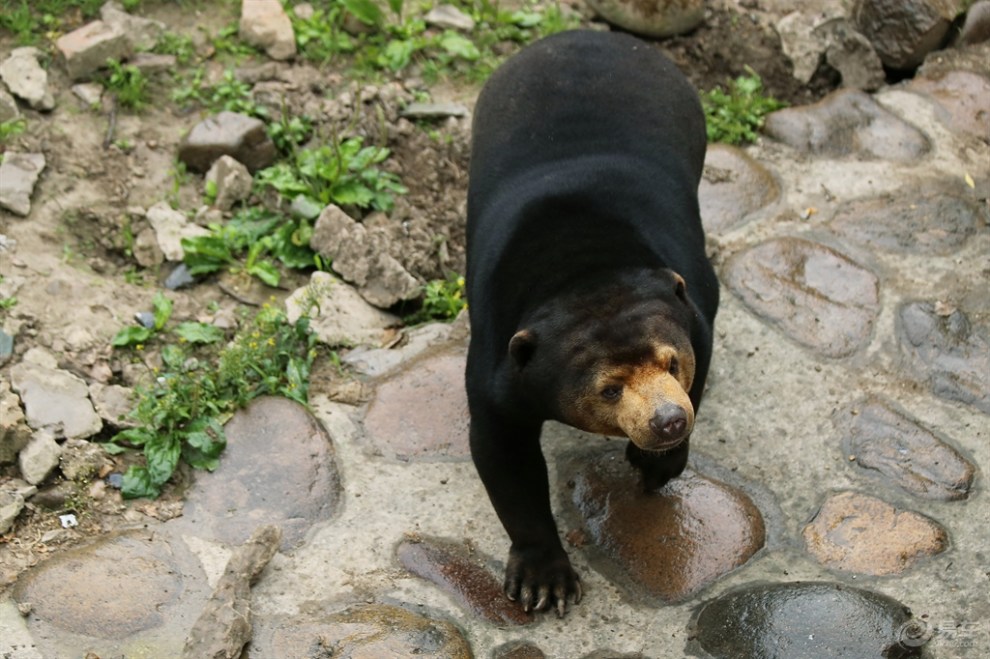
column 624, row 398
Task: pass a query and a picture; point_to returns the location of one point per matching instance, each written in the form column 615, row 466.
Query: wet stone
column 847, row 122
column 944, row 348
column 813, row 294
column 421, row 412
column 880, row 438
column 278, row 468
column 668, row 544
column 518, row 650
column 961, row 99
column 934, row 222
column 805, row 619
column 858, row 533
column 460, row 574
column 363, row 630
column 733, row 186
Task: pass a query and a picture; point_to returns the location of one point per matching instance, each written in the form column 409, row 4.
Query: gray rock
column 82, row 460
column 976, row 27
column 8, row 106
column 449, row 16
column 815, row 295
column 433, row 110
column 87, row 49
column 374, row 362
column 55, row 399
column 11, row 505
column 19, row 173
column 961, row 99
column 655, row 18
column 282, row 451
column 146, row 250
column 26, row 79
column 848, row 122
column 232, row 180
column 14, row 432
column 361, row 257
column 178, row 278
column 808, row 619
column 141, row 33
column 947, row 351
column 40, row 457
column 904, row 31
column 113, row 403
column 338, row 314
column 90, row 93
column 882, row 439
column 972, row 58
column 303, row 206
column 852, row 55
column 228, row 133
column 265, row 24
column 801, row 43
column 667, row 544
column 153, row 62
column 732, row 187
column 171, row 227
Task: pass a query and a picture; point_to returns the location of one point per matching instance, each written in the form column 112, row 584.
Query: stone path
column 835, row 504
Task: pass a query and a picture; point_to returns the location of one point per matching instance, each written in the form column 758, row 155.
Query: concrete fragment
column 228, row 133
column 141, row 33
column 55, row 399
column 232, row 182
column 659, row 18
column 87, row 49
column 265, row 24
column 338, row 315
column 26, row 79
column 40, row 457
column 171, row 227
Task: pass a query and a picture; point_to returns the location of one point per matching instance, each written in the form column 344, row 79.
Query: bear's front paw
column 538, row 578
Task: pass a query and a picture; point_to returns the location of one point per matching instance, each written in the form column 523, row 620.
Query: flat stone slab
column 228, row 133
column 935, row 221
column 279, row 468
column 421, row 412
column 858, row 533
column 943, row 348
column 805, row 619
column 338, row 315
column 19, row 173
column 106, row 595
column 844, row 123
column 361, row 631
column 961, row 98
column 458, row 572
column 667, row 544
column 55, row 399
column 884, row 440
column 733, row 186
column 815, row 295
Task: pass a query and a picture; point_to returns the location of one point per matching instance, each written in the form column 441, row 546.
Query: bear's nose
column 669, row 422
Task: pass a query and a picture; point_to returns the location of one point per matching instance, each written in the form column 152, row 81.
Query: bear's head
column 616, row 360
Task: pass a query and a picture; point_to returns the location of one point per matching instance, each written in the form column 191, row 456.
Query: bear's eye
column 674, row 367
column 612, row 392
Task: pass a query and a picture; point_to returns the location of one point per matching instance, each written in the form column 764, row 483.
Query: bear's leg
column 658, row 468
column 511, row 465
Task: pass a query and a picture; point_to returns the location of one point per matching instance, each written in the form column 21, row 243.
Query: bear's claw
column 539, row 582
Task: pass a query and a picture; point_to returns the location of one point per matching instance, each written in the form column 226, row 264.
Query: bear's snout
column 669, row 425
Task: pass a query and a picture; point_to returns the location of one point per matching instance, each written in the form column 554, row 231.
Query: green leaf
column 396, row 7
column 135, row 436
column 459, row 46
column 266, row 272
column 163, row 309
column 138, row 483
column 351, row 192
column 163, row 456
column 173, row 357
column 199, row 332
column 130, row 336
column 204, row 444
column 526, row 19
column 398, row 53
column 365, row 11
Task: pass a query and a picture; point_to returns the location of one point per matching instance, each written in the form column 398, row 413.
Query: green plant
column 228, row 94
column 138, row 335
column 734, row 117
column 181, row 414
column 30, row 20
column 227, row 42
column 128, row 83
column 343, row 172
column 289, row 132
column 443, row 299
column 12, row 128
column 179, row 45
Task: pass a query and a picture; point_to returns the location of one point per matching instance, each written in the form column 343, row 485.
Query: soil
column 74, row 276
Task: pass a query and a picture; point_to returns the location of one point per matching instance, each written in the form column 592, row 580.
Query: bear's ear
column 680, row 288
column 522, row 346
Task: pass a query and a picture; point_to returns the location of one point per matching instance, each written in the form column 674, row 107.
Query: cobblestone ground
column 835, row 505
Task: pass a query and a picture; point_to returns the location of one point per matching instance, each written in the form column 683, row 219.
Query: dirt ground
column 76, row 282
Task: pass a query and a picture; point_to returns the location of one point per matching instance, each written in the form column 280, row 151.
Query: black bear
column 590, row 294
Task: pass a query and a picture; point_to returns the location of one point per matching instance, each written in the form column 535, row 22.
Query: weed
column 343, row 172
column 228, row 94
column 736, row 116
column 288, row 133
column 201, row 384
column 128, row 83
column 227, row 42
column 443, row 299
column 30, row 20
column 12, row 128
column 138, row 335
column 179, row 45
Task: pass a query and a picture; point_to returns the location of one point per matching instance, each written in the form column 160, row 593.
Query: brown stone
column 518, row 650
column 904, row 31
column 932, row 222
column 961, row 101
column 363, row 631
column 847, row 122
column 858, row 533
column 278, row 468
column 815, row 295
column 652, row 18
column 227, row 134
column 668, row 544
column 422, row 411
column 880, row 438
column 733, row 186
column 460, row 574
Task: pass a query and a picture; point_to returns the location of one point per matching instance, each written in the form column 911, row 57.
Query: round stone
column 652, row 18
column 733, row 186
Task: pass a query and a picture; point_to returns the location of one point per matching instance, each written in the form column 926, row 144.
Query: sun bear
column 591, row 297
